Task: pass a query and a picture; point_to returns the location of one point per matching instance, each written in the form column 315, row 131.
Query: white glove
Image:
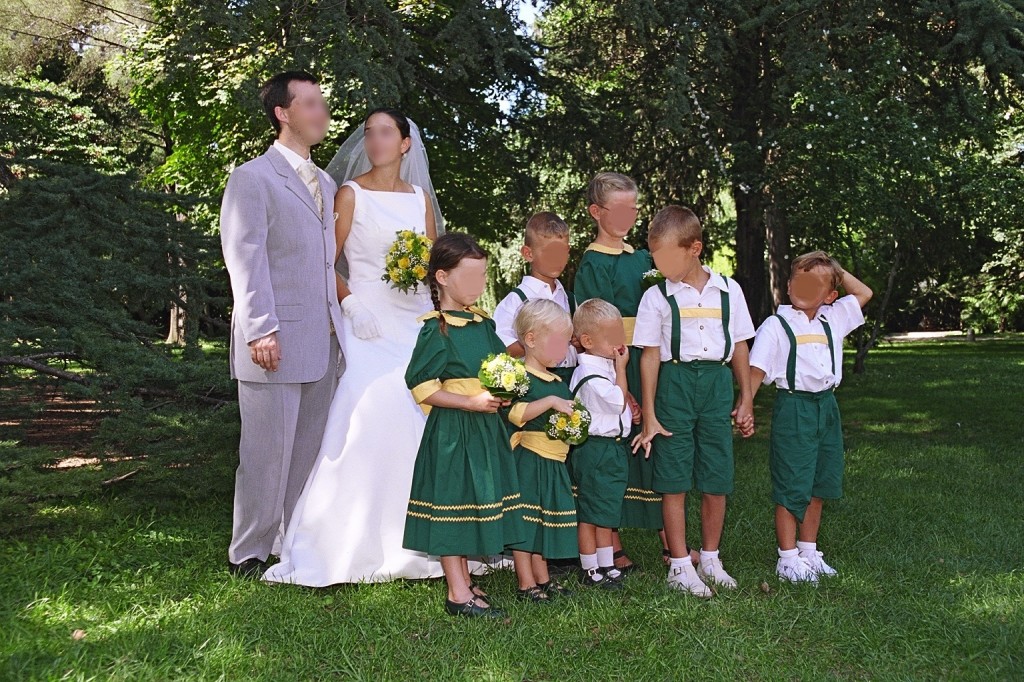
column 364, row 323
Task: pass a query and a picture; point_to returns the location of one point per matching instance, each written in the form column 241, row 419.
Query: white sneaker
column 817, row 564
column 795, row 570
column 685, row 579
column 713, row 573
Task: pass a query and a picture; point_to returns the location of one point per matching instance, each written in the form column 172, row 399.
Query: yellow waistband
column 539, row 443
column 629, row 323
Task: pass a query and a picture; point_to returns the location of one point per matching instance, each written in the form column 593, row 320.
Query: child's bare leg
column 458, row 585
column 540, row 569
column 785, row 528
column 524, row 569
column 587, row 537
column 603, row 536
column 673, row 514
column 812, row 521
column 623, row 560
column 712, row 521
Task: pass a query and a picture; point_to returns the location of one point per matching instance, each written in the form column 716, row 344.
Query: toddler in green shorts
column 800, row 350
column 693, row 327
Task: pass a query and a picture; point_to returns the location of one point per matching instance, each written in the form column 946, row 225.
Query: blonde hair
column 818, row 259
column 604, row 184
column 591, row 313
column 544, row 224
column 540, row 314
column 677, row 222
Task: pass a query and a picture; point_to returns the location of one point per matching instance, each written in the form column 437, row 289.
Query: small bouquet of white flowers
column 405, row 266
column 570, row 428
column 504, row 376
column 651, row 278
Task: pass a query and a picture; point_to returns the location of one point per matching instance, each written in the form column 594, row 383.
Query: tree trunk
column 778, row 254
column 750, row 252
column 865, row 347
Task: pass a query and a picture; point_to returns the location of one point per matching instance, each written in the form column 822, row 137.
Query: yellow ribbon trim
column 546, row 376
column 709, row 313
column 479, row 315
column 469, row 387
column 607, row 250
column 515, row 415
column 539, row 443
column 811, row 338
column 629, row 324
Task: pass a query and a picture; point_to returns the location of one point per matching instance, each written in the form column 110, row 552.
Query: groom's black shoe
column 250, row 568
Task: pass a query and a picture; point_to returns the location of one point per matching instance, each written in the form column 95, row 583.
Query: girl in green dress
column 544, row 329
column 465, row 496
column 612, row 270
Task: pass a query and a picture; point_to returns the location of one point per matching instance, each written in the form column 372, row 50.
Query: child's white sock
column 788, row 553
column 606, row 560
column 705, row 555
column 807, row 547
column 680, row 564
column 588, row 561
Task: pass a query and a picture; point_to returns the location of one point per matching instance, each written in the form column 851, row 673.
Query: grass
column 127, row 580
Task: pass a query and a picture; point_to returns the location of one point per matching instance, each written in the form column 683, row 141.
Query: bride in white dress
column 349, row 521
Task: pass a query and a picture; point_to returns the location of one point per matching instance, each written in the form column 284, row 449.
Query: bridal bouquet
column 504, row 376
column 570, row 428
column 652, row 278
column 405, row 266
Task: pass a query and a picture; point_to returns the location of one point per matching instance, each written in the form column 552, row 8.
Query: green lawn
column 929, row 541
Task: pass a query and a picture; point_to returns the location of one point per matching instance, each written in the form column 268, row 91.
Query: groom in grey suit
column 277, row 233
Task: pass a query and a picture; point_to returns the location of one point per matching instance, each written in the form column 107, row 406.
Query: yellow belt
column 629, row 323
column 539, row 443
column 469, row 387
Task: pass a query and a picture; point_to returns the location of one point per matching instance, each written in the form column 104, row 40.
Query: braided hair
column 446, row 254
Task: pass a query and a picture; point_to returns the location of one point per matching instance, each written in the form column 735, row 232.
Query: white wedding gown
column 348, row 524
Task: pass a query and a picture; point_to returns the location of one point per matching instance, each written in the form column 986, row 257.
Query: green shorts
column 598, row 469
column 694, row 403
column 805, row 454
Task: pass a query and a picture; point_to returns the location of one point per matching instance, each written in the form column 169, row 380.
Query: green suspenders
column 585, row 380
column 570, row 295
column 791, row 361
column 677, row 322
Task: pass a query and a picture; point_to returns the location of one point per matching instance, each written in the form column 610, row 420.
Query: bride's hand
column 364, row 322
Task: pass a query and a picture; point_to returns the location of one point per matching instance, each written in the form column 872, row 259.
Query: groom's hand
column 266, row 352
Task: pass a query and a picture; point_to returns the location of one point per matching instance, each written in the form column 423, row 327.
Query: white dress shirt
column 609, row 412
column 813, row 364
column 701, row 335
column 505, row 312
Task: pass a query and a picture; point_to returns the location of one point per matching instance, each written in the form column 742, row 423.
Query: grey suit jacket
column 280, row 258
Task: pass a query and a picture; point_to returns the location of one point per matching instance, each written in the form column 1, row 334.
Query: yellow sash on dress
column 629, row 324
column 539, row 443
column 468, row 387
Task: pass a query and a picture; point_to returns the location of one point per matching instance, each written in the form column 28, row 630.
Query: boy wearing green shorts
column 800, row 350
column 693, row 328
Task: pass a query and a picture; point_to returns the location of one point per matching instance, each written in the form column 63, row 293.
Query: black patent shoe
column 471, row 609
column 594, row 578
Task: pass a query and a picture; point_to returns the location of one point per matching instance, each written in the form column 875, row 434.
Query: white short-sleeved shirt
column 701, row 336
column 505, row 312
column 813, row 364
column 609, row 412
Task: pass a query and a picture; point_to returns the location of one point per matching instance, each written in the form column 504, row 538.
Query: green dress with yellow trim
column 617, row 277
column 465, row 496
column 548, row 503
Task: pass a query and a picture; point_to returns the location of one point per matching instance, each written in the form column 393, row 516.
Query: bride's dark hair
column 446, row 254
column 400, row 119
